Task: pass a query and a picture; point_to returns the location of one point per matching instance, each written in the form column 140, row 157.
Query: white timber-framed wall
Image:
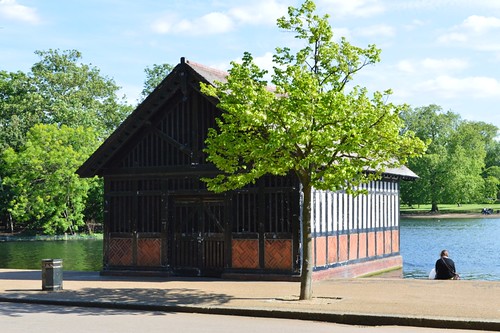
column 349, row 230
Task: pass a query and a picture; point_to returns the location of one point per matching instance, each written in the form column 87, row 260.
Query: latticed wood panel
column 278, row 254
column 120, row 252
column 245, row 253
column 149, row 252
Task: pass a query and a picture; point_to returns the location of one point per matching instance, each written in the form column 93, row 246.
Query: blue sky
column 444, row 52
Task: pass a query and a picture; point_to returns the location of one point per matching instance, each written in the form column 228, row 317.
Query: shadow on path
column 126, row 298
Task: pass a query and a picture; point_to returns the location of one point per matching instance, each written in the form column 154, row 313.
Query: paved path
column 404, row 302
column 22, row 318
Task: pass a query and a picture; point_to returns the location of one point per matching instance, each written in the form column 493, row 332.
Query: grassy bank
column 449, row 208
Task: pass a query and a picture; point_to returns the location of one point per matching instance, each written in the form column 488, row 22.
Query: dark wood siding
column 170, row 139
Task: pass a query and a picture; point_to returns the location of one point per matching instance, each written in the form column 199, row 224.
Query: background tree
column 311, row 125
column 434, row 126
column 59, row 90
column 492, row 168
column 453, row 167
column 466, row 155
column 47, row 192
column 154, row 76
column 76, row 94
column 19, row 108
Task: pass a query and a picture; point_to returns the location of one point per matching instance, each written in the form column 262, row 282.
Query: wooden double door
column 198, row 246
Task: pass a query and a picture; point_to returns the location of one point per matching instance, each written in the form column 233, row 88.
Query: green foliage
column 453, row 167
column 59, row 90
column 19, row 108
column 493, row 153
column 48, row 194
column 154, row 76
column 310, row 124
column 76, row 94
column 466, row 154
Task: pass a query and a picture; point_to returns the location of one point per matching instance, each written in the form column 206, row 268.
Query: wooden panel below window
column 149, row 252
column 245, row 253
column 278, row 254
column 120, row 252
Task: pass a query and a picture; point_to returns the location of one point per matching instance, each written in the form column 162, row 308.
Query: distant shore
column 448, row 215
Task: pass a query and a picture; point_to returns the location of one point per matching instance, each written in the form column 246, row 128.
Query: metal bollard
column 52, row 274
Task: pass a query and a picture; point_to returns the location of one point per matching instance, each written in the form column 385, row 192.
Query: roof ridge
column 208, row 68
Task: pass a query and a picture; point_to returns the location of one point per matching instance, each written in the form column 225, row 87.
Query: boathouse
column 160, row 218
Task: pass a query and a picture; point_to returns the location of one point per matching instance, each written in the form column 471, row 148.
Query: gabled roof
column 208, row 73
column 402, row 172
column 184, row 74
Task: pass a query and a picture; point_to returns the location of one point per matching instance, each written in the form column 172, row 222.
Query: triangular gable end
column 159, row 132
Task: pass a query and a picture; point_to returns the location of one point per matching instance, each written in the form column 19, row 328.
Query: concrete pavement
column 362, row 301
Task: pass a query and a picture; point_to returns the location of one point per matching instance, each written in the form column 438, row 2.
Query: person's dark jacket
column 445, row 269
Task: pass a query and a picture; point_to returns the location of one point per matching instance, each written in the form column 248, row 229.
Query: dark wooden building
column 160, row 217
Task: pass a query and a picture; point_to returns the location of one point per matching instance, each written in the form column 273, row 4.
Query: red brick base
column 359, row 269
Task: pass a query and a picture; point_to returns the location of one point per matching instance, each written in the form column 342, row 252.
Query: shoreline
column 448, row 216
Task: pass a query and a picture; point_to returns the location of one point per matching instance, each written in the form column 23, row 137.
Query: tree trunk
column 434, row 208
column 307, row 266
column 11, row 224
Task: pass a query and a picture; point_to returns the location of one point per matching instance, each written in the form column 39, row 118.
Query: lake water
column 77, row 255
column 473, row 244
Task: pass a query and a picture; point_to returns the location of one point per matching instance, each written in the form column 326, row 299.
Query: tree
column 154, row 76
column 76, row 94
column 492, row 153
column 59, row 90
column 452, row 169
column 48, row 194
column 434, row 126
column 466, row 155
column 19, row 108
column 310, row 125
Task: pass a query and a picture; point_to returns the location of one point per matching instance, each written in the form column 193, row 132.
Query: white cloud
column 355, row 8
column 453, row 37
column 444, row 65
column 406, row 66
column 341, row 32
column 479, row 32
column 431, row 65
column 436, row 4
column 481, row 24
column 452, row 87
column 262, row 12
column 10, row 9
column 376, row 30
column 265, row 61
column 209, row 24
column 414, row 24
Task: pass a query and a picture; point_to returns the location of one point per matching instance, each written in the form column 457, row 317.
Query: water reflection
column 77, row 255
column 472, row 243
